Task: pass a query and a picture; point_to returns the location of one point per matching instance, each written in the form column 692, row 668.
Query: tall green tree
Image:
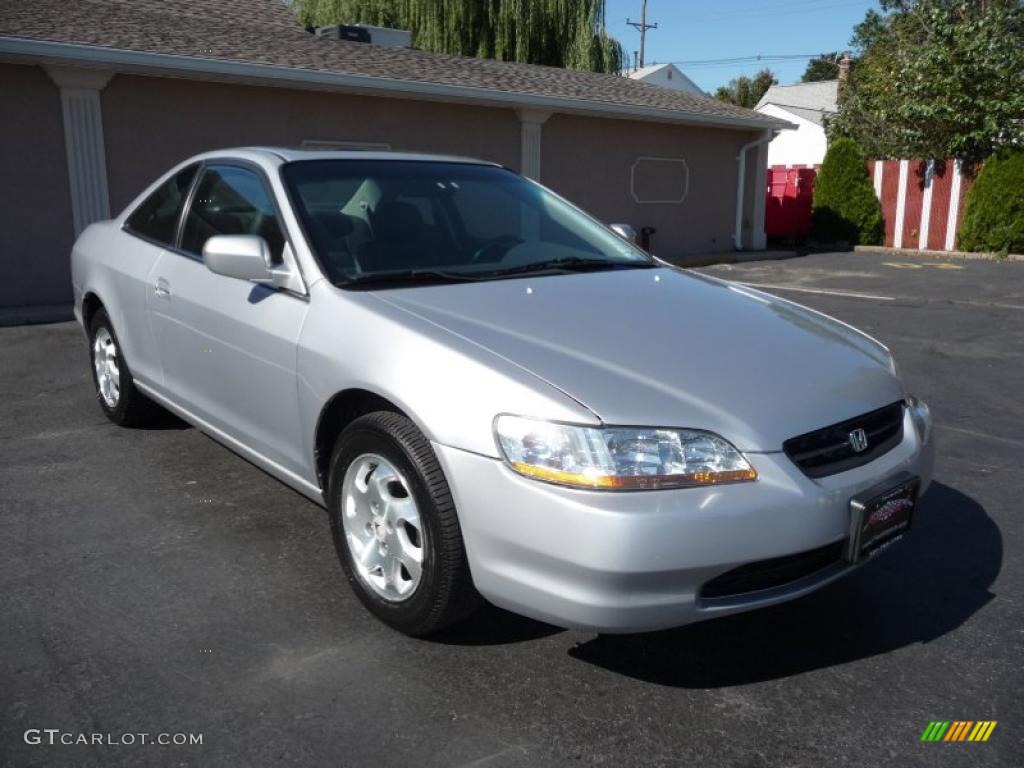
column 845, row 208
column 558, row 33
column 746, row 91
column 824, row 67
column 936, row 78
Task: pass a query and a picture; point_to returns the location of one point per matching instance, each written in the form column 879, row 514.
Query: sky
column 697, row 30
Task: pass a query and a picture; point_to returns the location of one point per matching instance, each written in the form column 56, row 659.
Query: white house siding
column 804, row 146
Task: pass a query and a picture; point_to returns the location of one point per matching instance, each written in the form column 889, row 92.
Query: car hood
column 663, row 347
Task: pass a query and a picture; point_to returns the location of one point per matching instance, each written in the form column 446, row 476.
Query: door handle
column 162, row 288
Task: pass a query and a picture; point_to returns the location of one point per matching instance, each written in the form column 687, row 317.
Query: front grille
column 829, row 451
column 776, row 572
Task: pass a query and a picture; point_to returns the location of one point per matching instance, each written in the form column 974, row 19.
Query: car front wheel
column 395, row 526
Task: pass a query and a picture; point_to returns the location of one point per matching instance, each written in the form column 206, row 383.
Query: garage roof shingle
column 266, row 32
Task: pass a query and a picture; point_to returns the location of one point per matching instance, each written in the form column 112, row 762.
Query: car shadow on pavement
column 491, row 625
column 926, row 586
column 164, row 419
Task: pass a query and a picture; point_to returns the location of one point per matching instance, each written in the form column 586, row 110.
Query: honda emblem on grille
column 858, row 440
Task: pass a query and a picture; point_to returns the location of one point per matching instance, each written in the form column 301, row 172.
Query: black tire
column 445, row 592
column 133, row 409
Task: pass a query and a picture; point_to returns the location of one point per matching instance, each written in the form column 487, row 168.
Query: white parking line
column 848, row 294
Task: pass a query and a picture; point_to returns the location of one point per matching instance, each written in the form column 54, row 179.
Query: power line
column 755, row 57
column 759, row 58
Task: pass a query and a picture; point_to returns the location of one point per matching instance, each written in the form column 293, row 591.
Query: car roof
column 291, row 154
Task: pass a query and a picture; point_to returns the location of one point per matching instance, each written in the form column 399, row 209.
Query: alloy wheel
column 104, row 360
column 382, row 527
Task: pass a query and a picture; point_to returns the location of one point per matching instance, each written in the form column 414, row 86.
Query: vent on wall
column 361, row 33
column 340, row 32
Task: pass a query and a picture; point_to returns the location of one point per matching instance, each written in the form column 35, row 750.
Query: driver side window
column 231, row 201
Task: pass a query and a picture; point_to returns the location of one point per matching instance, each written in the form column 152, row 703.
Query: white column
column 531, row 121
column 758, row 238
column 926, row 206
column 879, row 170
column 83, row 142
column 901, row 204
column 954, row 207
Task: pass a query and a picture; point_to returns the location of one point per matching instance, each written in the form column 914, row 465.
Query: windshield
column 373, row 222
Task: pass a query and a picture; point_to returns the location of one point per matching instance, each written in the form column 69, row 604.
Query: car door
column 146, row 232
column 228, row 346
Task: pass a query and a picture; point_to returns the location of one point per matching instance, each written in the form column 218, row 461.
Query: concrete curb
column 914, row 252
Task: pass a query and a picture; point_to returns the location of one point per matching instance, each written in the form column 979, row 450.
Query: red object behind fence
column 788, row 207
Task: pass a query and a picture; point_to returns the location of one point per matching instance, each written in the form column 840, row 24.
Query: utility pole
column 642, row 26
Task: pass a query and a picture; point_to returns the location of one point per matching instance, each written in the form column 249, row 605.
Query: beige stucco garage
column 101, row 96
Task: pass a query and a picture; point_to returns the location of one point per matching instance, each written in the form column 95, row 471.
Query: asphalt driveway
column 153, row 582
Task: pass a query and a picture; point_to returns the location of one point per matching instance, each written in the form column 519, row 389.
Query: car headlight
column 921, row 415
column 619, row 458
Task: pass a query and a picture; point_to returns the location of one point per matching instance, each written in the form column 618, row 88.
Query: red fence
column 922, row 201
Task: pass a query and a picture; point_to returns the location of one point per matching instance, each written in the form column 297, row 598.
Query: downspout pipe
column 741, row 177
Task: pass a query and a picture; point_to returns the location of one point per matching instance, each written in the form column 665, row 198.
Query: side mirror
column 625, row 231
column 246, row 257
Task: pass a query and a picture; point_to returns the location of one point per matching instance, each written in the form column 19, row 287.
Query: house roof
column 254, row 39
column 811, row 101
column 680, row 78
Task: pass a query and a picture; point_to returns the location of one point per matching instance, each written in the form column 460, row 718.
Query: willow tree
column 558, row 33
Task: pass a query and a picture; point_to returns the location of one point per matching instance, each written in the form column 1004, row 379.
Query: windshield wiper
column 572, row 264
column 409, row 276
column 553, row 266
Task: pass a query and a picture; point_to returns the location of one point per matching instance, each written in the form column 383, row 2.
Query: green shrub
column 845, row 207
column 994, row 211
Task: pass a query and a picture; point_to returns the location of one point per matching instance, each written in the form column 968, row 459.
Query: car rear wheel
column 395, row 527
column 115, row 389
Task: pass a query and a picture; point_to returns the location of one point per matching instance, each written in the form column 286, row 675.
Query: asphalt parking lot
column 153, row 582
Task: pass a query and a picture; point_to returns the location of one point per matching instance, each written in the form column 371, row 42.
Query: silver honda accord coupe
column 494, row 395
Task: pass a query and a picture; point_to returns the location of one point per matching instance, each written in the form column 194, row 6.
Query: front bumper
column 636, row 561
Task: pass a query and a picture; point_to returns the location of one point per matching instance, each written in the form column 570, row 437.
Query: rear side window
column 231, row 201
column 157, row 217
